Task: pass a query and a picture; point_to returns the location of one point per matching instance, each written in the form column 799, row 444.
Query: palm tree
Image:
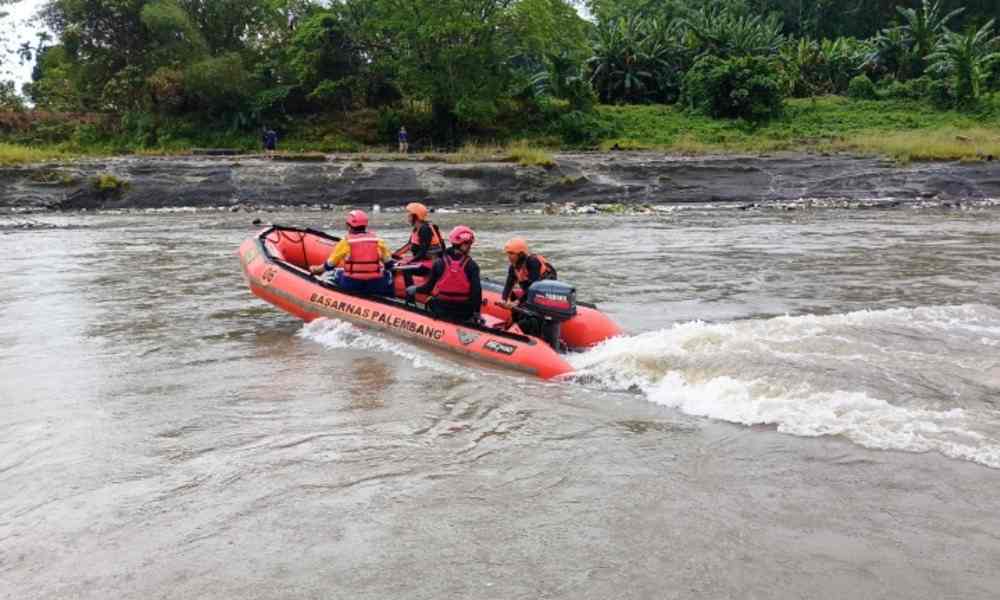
column 967, row 58
column 619, row 63
column 891, row 53
column 727, row 32
column 923, row 27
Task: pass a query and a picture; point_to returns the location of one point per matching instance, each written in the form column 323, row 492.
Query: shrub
column 475, row 111
column 747, row 87
column 914, row 89
column 581, row 129
column 941, row 94
column 861, row 88
column 109, row 184
column 166, row 87
column 219, row 84
column 528, row 156
column 389, row 122
column 917, row 89
column 580, row 94
column 895, row 90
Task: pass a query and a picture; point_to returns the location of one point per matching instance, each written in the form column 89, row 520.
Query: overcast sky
column 20, row 31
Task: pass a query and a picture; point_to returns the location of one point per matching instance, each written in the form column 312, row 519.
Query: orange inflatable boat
column 275, row 264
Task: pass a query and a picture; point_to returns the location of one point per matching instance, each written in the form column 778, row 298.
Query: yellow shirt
column 343, row 250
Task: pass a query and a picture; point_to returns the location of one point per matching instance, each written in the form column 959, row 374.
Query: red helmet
column 461, row 235
column 357, row 218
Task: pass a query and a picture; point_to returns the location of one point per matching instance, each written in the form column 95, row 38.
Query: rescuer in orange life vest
column 359, row 259
column 453, row 283
column 425, row 242
column 525, row 269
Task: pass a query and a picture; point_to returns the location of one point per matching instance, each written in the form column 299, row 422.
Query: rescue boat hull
column 274, row 265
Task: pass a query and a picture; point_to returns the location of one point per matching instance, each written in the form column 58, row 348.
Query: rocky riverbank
column 629, row 179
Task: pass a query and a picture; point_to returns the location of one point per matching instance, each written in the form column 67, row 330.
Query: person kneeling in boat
column 424, row 246
column 453, row 283
column 525, row 269
column 425, row 243
column 359, row 259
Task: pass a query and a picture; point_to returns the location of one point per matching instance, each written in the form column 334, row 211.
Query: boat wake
column 916, row 380
column 334, row 333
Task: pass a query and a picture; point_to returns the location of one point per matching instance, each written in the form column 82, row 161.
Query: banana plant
column 967, row 58
column 923, row 27
column 619, row 64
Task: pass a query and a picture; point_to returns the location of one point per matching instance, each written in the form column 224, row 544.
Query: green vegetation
column 13, row 154
column 109, row 184
column 904, row 129
column 508, row 79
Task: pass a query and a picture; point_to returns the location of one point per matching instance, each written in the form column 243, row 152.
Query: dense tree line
column 807, row 18
column 466, row 63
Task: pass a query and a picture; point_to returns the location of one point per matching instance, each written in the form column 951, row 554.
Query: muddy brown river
column 807, row 405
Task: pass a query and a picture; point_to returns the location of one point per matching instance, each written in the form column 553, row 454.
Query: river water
column 806, row 407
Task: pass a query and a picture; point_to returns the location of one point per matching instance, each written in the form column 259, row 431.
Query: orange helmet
column 516, row 246
column 418, row 210
column 357, row 218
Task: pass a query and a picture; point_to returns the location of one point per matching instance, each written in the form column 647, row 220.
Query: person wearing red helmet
column 525, row 269
column 426, row 242
column 453, row 283
column 359, row 259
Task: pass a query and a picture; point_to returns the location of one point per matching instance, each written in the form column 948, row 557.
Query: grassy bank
column 903, row 130
column 898, row 129
column 14, row 154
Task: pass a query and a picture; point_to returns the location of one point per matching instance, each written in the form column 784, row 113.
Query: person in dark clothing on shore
column 404, row 140
column 270, row 140
column 525, row 269
column 453, row 284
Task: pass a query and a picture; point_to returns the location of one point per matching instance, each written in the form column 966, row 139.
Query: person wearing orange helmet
column 425, row 243
column 359, row 259
column 455, row 290
column 525, row 269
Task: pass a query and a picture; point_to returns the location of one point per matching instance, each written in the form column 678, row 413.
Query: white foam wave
column 334, row 333
column 820, row 375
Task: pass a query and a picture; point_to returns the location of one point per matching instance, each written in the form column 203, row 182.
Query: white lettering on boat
column 385, row 319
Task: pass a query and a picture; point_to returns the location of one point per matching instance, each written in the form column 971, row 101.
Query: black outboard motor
column 547, row 304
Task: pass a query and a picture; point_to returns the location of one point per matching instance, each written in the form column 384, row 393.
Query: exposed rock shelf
column 626, row 178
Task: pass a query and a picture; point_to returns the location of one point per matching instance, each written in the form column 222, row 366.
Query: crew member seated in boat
column 453, row 283
column 425, row 243
column 525, row 269
column 359, row 259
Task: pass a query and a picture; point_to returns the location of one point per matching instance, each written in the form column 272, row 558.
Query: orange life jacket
column 436, row 246
column 364, row 261
column 545, row 272
column 454, row 284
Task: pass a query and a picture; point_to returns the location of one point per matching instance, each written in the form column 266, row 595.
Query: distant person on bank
column 404, row 141
column 270, row 142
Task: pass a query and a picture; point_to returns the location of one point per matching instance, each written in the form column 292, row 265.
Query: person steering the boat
column 525, row 269
column 453, row 283
column 425, row 243
column 359, row 259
